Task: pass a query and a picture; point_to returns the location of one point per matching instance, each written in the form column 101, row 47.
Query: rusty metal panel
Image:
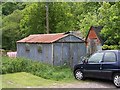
column 42, row 38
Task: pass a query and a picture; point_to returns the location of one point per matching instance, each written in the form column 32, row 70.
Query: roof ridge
column 64, row 35
column 30, row 38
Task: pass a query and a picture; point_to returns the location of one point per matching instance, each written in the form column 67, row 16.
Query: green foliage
column 11, row 65
column 9, row 7
column 60, row 17
column 111, row 47
column 88, row 17
column 11, row 30
column 89, row 20
column 30, row 18
column 109, row 18
column 33, row 21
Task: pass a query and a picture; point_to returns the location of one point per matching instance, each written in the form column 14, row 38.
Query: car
column 102, row 65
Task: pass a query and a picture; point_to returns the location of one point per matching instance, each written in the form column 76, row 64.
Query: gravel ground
column 90, row 83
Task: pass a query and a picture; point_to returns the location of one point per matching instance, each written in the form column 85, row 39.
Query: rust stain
column 43, row 38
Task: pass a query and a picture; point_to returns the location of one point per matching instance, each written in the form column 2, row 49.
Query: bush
column 111, row 47
column 12, row 65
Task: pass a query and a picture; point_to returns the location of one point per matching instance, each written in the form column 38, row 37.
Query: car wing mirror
column 85, row 61
column 100, row 61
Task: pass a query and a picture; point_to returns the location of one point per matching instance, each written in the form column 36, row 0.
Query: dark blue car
column 103, row 64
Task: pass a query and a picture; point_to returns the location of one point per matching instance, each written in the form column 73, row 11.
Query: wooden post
column 47, row 18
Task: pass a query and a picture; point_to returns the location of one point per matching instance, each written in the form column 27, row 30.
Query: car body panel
column 103, row 70
column 107, row 69
column 91, row 70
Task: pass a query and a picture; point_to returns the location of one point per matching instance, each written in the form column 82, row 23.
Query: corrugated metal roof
column 43, row 38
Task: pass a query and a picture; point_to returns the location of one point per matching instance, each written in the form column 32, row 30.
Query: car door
column 93, row 67
column 108, row 65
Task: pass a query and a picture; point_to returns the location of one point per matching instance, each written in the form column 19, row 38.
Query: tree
column 61, row 19
column 86, row 15
column 90, row 19
column 109, row 18
column 11, row 30
column 9, row 7
column 23, row 19
column 33, row 21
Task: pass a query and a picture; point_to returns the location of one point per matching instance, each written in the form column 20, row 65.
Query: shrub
column 11, row 65
column 111, row 47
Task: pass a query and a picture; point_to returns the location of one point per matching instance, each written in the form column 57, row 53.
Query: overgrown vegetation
column 12, row 65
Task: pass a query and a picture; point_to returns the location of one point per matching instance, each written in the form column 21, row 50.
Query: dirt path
column 89, row 83
column 86, row 84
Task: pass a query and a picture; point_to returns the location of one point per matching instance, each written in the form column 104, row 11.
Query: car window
column 109, row 57
column 96, row 58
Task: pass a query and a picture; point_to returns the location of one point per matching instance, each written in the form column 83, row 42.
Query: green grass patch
column 46, row 71
column 0, row 82
column 23, row 80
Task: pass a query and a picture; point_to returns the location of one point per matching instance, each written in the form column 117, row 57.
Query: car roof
column 109, row 51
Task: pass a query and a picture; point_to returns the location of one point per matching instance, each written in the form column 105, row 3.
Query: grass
column 23, row 80
column 21, row 73
column 46, row 71
column 0, row 82
column 27, row 80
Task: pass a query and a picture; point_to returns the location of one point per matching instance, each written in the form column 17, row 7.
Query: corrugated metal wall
column 44, row 56
column 61, row 53
column 65, row 51
column 68, row 53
